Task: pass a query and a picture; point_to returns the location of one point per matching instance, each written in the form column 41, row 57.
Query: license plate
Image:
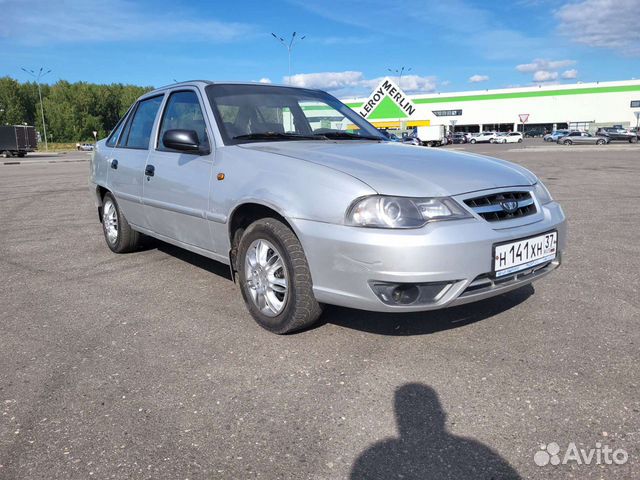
column 520, row 255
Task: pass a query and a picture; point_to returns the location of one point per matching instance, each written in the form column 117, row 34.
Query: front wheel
column 600, row 142
column 568, row 142
column 275, row 279
column 119, row 235
column 473, row 140
column 519, row 140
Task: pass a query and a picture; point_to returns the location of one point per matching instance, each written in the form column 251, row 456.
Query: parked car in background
column 484, row 137
column 618, row 134
column 513, row 137
column 555, row 135
column 458, row 137
column 534, row 132
column 582, row 138
column 85, row 147
column 307, row 215
column 392, row 137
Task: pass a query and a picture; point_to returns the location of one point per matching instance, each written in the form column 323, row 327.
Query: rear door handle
column 114, row 164
column 149, row 170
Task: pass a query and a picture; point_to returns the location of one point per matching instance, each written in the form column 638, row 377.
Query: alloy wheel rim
column 266, row 277
column 110, row 221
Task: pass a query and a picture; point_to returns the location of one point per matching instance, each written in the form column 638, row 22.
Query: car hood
column 395, row 169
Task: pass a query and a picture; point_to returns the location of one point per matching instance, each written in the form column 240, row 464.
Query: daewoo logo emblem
column 509, row 206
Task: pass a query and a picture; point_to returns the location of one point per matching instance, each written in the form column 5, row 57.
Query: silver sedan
column 310, row 205
column 583, row 138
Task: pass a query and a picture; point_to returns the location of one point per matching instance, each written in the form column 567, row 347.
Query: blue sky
column 449, row 45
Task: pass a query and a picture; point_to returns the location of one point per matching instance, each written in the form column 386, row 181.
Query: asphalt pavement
column 147, row 365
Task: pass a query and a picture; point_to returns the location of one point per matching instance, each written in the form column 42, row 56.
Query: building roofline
column 517, row 92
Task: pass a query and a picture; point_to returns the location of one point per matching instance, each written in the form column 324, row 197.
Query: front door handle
column 149, row 170
column 114, row 164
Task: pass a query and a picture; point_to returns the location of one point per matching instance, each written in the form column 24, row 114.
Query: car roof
column 204, row 83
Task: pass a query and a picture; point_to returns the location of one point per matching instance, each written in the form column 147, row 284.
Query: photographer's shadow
column 421, row 323
column 424, row 449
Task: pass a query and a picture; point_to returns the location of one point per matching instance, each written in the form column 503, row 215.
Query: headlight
column 402, row 212
column 541, row 193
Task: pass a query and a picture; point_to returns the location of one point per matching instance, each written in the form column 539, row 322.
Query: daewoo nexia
column 309, row 204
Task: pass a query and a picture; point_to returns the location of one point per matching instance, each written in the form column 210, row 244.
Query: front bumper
column 345, row 260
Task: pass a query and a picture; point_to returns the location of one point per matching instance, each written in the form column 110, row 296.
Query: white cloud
column 110, row 21
column 264, row 80
column 602, row 23
column 544, row 76
column 546, row 71
column 542, row 64
column 326, row 80
column 352, row 82
column 478, row 78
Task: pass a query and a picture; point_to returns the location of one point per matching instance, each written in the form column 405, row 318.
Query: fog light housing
column 404, row 294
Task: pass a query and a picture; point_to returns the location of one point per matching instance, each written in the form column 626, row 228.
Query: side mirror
column 183, row 140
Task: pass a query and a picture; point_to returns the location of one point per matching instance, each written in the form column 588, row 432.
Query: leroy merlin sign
column 387, row 101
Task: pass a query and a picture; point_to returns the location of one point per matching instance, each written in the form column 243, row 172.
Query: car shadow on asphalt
column 424, row 449
column 420, row 323
column 205, row 263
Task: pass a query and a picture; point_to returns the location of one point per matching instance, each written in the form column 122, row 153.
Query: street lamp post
column 38, row 76
column 399, row 72
column 289, row 46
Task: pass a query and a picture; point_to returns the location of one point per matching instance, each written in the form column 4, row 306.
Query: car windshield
column 259, row 113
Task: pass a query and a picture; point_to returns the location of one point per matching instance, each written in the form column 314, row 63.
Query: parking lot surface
column 147, row 365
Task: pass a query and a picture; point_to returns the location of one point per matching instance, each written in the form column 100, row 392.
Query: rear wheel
column 274, row 277
column 633, row 140
column 119, row 235
column 599, row 142
column 568, row 142
column 473, row 140
column 519, row 140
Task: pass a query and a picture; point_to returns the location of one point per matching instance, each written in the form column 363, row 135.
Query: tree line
column 72, row 110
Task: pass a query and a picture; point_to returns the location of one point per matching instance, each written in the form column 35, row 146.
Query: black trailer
column 17, row 140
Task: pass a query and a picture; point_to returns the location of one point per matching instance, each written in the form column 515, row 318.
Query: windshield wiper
column 278, row 136
column 351, row 136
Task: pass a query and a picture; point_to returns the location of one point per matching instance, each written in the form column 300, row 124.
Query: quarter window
column 139, row 128
column 183, row 112
column 113, row 138
column 635, row 103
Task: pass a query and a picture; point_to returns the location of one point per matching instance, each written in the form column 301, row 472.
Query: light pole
column 399, row 72
column 289, row 46
column 38, row 76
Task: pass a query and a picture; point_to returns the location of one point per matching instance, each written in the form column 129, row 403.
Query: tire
column 118, row 234
column 5, row 154
column 600, row 142
column 633, row 140
column 519, row 140
column 492, row 140
column 291, row 306
column 473, row 140
column 22, row 154
column 567, row 142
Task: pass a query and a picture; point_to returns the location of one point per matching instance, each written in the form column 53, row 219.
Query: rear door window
column 139, row 128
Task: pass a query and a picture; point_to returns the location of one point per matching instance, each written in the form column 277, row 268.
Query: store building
column 583, row 106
